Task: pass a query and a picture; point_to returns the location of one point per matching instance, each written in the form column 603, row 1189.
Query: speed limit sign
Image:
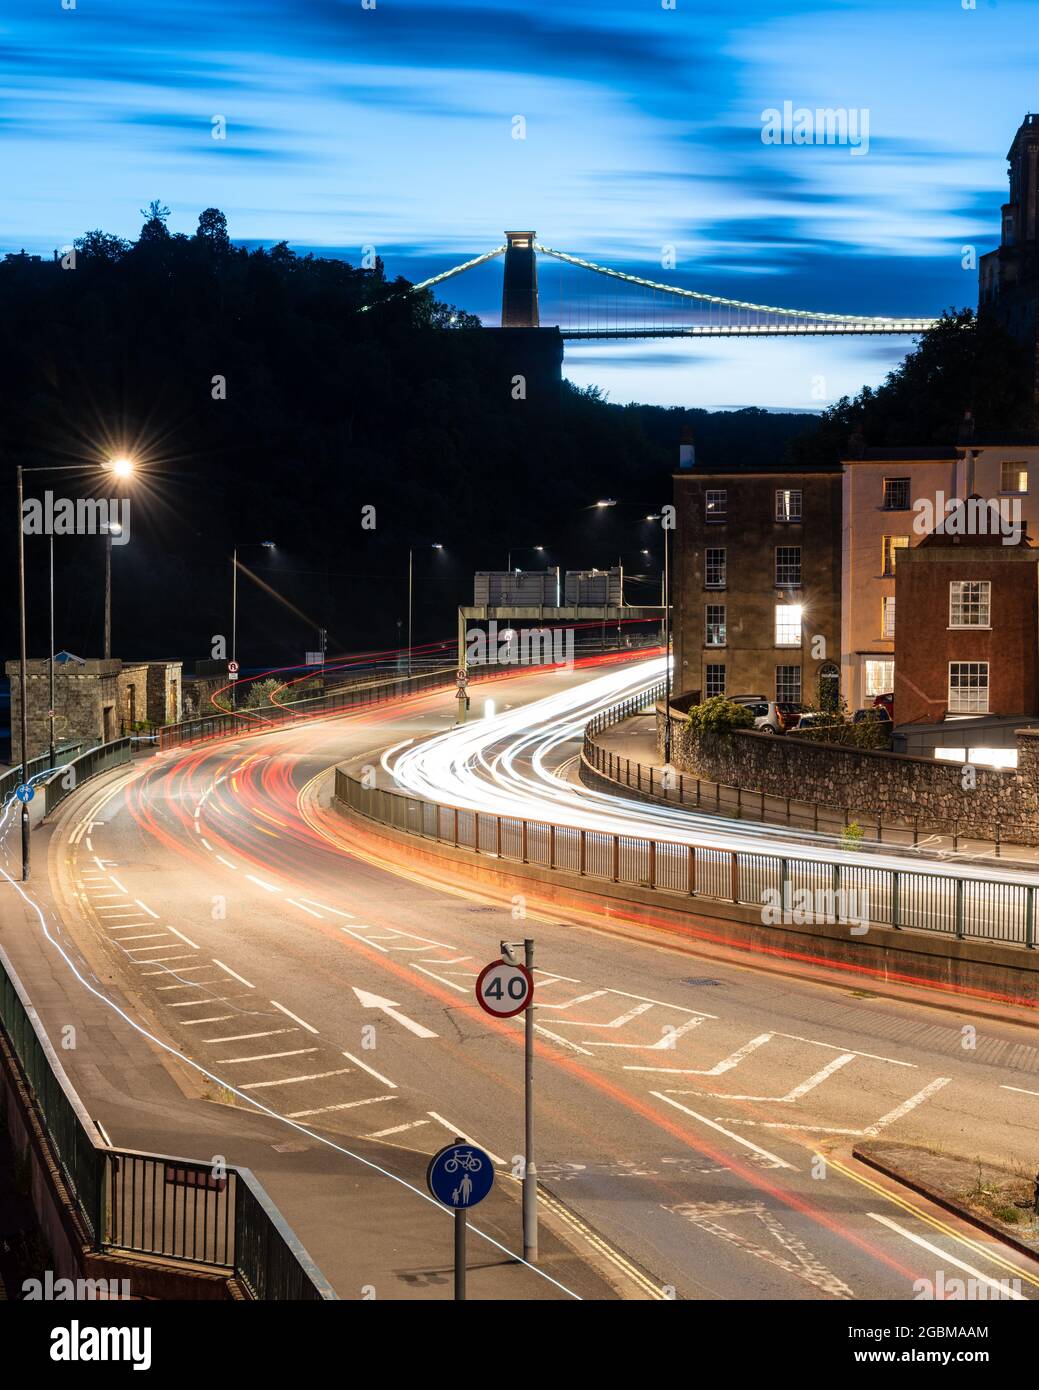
column 504, row 989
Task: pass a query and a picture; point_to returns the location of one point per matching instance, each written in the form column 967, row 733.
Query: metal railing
column 901, row 898
column 12, row 779
column 671, row 787
column 97, row 760
column 154, row 1204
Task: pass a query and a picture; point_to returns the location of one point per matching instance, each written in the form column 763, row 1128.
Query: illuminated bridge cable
column 457, row 270
column 868, row 323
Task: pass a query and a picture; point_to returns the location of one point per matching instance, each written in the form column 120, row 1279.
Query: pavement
column 695, row 1114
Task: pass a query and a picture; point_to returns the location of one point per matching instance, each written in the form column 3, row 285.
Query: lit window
column 1013, row 477
column 714, row 568
column 880, row 678
column 788, row 504
column 788, row 566
column 715, row 625
column 896, row 494
column 715, row 679
column 788, row 624
column 888, row 619
column 891, row 544
column 968, row 687
column 788, row 685
column 970, row 603
column 717, row 504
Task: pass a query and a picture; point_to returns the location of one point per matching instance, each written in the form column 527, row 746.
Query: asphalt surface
column 694, row 1115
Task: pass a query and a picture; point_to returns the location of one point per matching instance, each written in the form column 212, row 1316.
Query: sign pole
column 461, row 1220
column 530, row 1172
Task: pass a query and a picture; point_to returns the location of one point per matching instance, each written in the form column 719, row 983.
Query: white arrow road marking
column 774, row 1160
column 1003, row 1286
column 391, row 1009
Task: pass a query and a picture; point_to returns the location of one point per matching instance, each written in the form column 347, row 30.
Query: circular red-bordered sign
column 504, row 989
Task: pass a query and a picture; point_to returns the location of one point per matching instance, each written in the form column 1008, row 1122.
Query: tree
column 154, row 229
column 101, row 247
column 212, row 231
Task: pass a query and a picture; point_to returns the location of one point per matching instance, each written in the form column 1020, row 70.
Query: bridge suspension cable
column 457, row 270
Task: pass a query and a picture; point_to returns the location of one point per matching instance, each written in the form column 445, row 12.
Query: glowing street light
column 121, row 467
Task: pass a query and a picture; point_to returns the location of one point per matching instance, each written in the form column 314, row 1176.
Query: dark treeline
column 340, row 390
column 272, row 396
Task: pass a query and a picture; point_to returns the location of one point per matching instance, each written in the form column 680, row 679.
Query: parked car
column 815, row 718
column 770, row 717
column 879, row 714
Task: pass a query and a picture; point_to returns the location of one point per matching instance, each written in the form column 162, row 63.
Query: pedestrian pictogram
column 25, row 792
column 460, row 1176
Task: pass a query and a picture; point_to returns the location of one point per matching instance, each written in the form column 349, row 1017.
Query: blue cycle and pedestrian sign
column 25, row 792
column 460, row 1175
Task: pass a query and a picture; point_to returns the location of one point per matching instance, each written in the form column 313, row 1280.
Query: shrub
column 718, row 716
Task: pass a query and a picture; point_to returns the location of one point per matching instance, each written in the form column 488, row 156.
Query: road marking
column 351, row 932
column 391, row 1010
column 293, row 1080
column 125, row 926
column 325, row 908
column 565, row 1042
column 433, row 976
column 617, row 1022
column 227, row 862
column 665, row 1043
column 371, row 1071
column 147, row 936
column 113, row 878
column 242, row 1037
column 309, row 910
column 156, row 959
column 944, row 1255
column 727, row 1064
column 578, row 1226
column 346, row 1105
column 266, row 1056
column 906, row 1106
column 185, row 939
column 206, row 844
column 835, row 1047
column 144, row 908
column 1020, row 1090
column 216, row 1018
column 289, row 1014
column 397, row 1129
column 774, row 1160
column 233, row 973
column 456, row 960
column 184, row 970
column 89, row 845
column 802, row 1088
column 267, row 887
column 461, row 1134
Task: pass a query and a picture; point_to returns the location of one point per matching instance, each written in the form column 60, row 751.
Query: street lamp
column 522, row 549
column 111, row 528
column 265, row 545
column 411, row 570
column 121, row 468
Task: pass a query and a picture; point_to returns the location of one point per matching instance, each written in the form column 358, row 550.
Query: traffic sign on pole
column 459, row 1176
column 504, row 988
column 233, row 668
column 25, row 792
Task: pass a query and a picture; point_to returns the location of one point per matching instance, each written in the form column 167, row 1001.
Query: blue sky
column 393, row 127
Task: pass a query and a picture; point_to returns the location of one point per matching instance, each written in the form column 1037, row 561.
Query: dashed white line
column 346, row 1105
column 227, row 863
column 397, row 1129
column 187, row 940
column 144, row 908
column 308, row 910
column 233, row 973
column 774, row 1159
column 266, row 1056
column 325, row 908
column 243, row 1037
column 371, row 1071
column 293, row 1080
column 461, row 1134
column 267, row 887
column 289, row 1014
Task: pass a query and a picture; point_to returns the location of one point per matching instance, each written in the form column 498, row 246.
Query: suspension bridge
column 631, row 306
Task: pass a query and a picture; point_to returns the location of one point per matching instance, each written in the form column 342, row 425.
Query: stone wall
column 893, row 786
column 86, row 703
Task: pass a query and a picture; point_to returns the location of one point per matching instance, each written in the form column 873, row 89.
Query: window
column 1013, row 477
column 714, row 567
column 891, row 544
column 788, row 504
column 788, row 624
column 887, row 627
column 970, row 603
column 896, row 494
column 717, row 504
column 788, row 566
column 880, row 678
column 968, row 687
column 788, row 685
column 715, row 680
column 715, row 625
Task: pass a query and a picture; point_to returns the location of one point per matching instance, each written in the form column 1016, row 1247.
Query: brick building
column 966, row 627
column 756, row 581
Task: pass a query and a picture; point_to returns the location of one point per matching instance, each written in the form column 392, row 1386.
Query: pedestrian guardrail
column 846, row 891
column 78, row 770
column 11, row 780
column 155, row 1204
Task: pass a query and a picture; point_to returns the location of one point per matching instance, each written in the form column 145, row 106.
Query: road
column 696, row 1114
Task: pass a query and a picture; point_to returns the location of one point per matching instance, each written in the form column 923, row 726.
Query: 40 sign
column 504, row 988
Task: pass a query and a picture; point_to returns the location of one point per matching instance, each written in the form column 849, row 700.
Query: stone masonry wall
column 893, row 786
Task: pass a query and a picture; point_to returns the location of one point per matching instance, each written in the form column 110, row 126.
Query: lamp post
column 53, row 756
column 411, row 574
column 522, row 549
column 266, row 545
column 121, row 468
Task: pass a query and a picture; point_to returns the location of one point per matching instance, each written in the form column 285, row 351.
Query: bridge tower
column 519, row 294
